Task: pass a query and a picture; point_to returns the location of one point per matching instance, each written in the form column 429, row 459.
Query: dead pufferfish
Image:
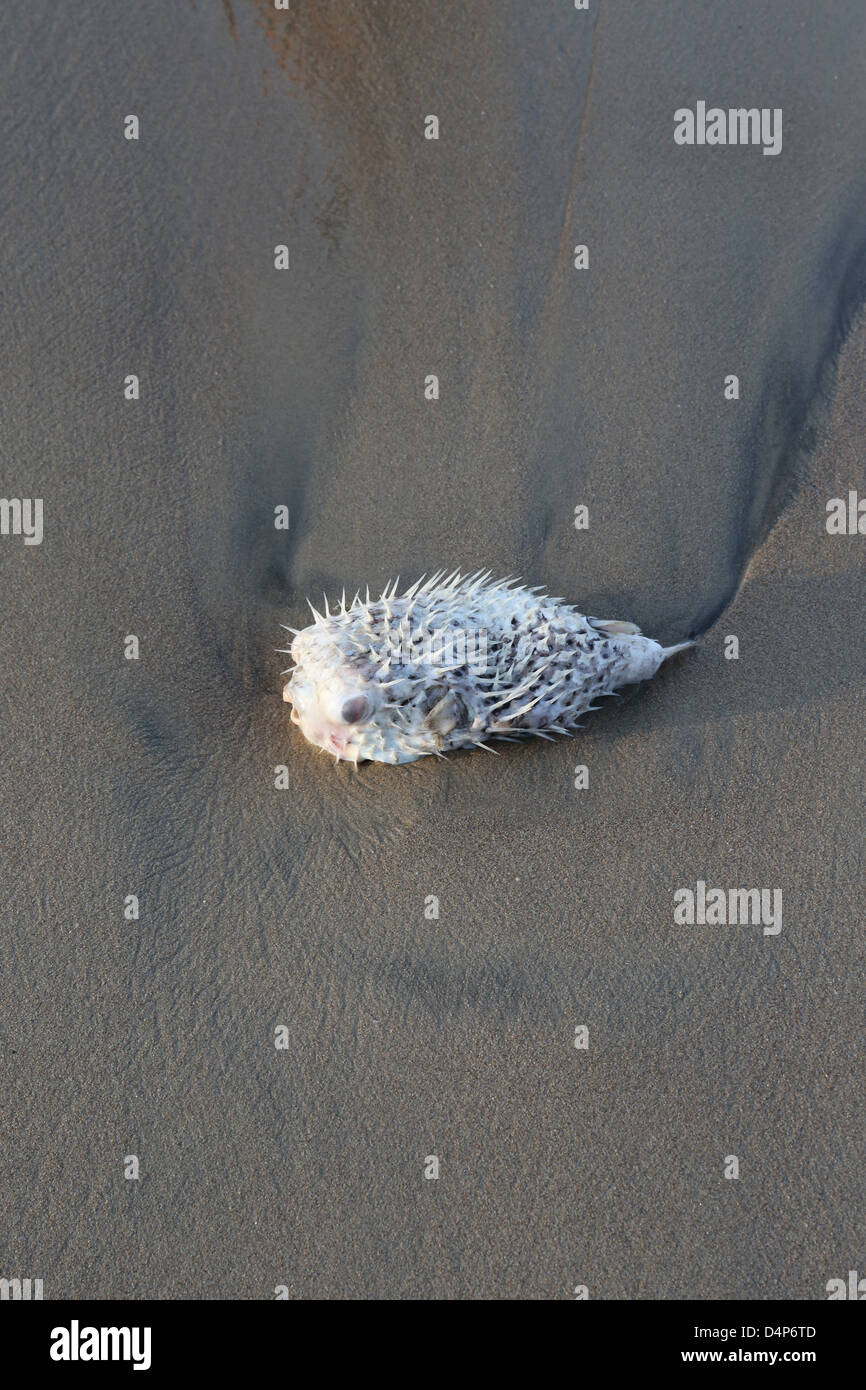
column 453, row 662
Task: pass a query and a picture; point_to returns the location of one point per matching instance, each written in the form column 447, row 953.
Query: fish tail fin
column 677, row 647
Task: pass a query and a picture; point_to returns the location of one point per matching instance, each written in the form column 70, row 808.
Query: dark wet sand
column 410, row 1037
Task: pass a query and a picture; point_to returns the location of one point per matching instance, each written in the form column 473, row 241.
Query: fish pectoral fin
column 614, row 627
column 446, row 714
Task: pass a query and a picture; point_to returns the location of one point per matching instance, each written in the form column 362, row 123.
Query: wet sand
column 410, row 1037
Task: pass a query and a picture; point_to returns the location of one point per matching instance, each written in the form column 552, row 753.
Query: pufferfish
column 452, row 662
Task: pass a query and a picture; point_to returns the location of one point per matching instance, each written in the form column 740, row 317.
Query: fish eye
column 355, row 710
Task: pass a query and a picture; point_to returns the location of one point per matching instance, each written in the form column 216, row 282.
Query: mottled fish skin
column 452, row 662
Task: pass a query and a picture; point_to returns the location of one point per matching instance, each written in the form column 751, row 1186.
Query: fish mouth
column 342, row 749
column 328, row 741
column 331, row 741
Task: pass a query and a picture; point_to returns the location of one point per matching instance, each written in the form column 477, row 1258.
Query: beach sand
column 407, row 1036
